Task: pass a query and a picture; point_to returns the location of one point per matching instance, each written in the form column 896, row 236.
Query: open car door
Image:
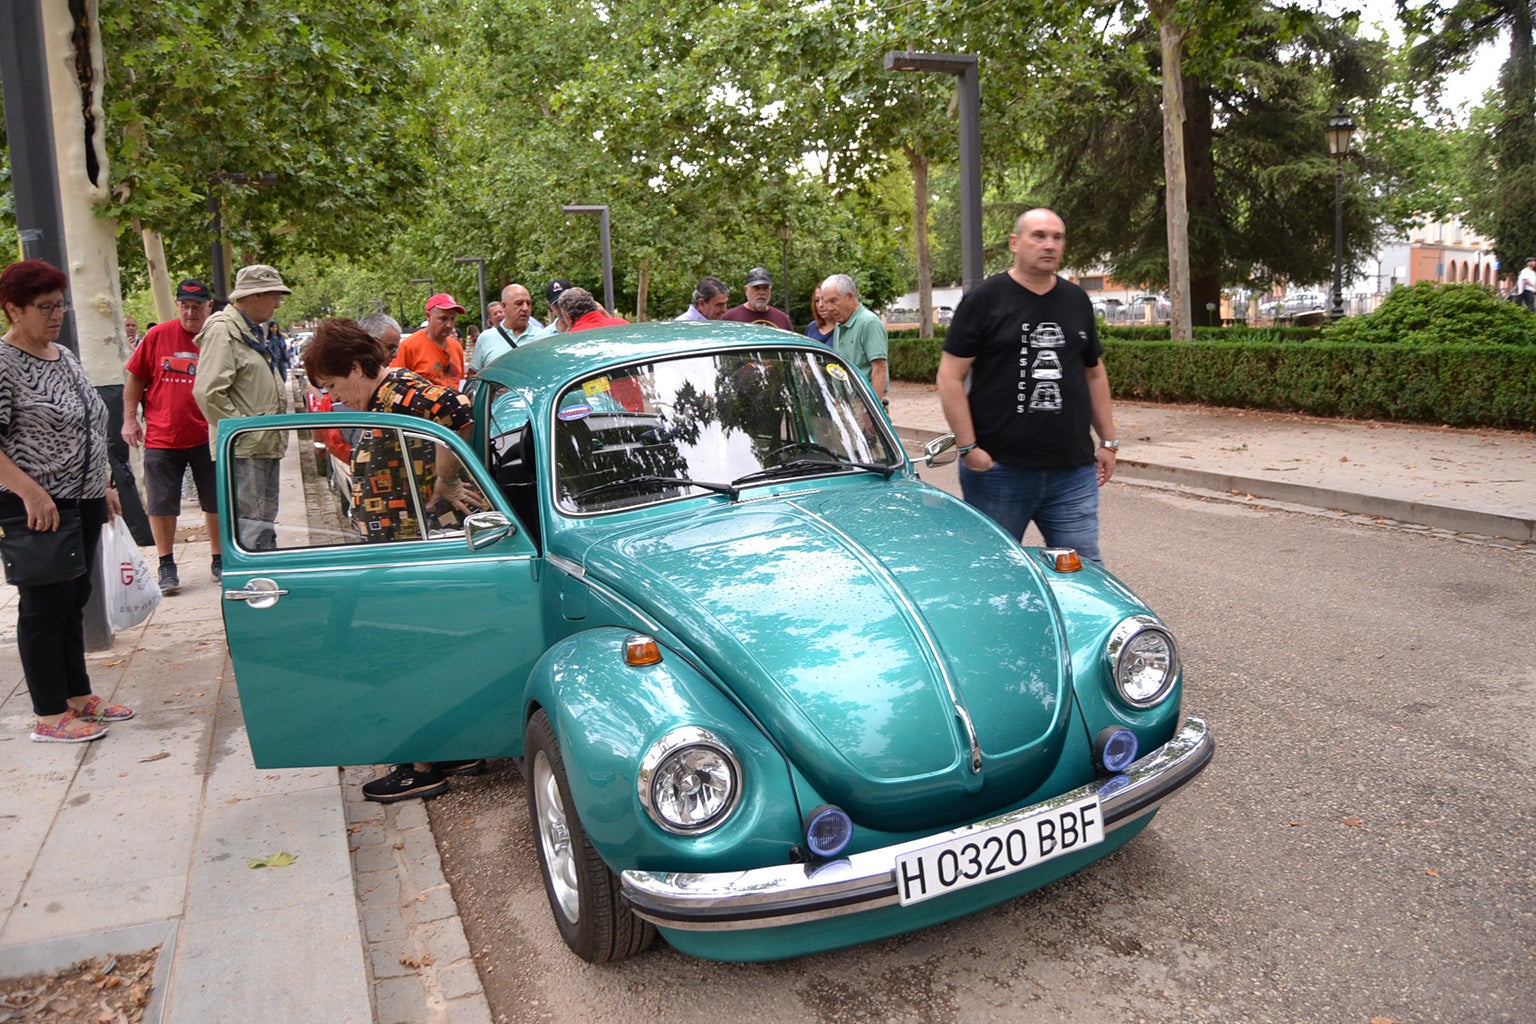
column 389, row 611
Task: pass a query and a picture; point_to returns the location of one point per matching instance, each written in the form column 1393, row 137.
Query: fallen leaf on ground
column 277, row 860
column 1432, row 873
column 155, row 757
column 1353, row 822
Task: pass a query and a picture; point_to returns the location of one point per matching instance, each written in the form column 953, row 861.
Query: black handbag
column 34, row 558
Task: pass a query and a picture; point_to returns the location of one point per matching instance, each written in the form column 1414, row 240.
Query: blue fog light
column 1115, row 748
column 828, row 831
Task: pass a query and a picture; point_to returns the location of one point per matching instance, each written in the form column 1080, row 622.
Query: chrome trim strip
column 793, row 893
column 571, row 568
column 333, row 567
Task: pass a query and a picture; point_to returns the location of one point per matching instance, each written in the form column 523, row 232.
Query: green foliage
column 1154, row 333
column 1431, row 314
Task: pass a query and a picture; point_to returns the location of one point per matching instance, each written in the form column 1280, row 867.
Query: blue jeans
column 1064, row 503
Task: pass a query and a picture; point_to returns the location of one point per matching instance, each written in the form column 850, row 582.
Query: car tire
column 584, row 895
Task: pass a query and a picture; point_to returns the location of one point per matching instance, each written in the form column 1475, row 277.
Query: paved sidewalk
column 1464, row 480
column 145, row 837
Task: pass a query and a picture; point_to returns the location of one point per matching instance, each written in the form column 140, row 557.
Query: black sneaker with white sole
column 405, row 783
column 216, row 568
column 169, row 581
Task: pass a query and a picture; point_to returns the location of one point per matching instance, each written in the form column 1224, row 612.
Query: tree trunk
column 73, row 45
column 159, row 274
column 920, row 243
column 1204, row 232
column 1172, row 38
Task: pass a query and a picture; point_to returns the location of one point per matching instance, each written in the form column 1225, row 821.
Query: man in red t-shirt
column 433, row 351
column 174, row 433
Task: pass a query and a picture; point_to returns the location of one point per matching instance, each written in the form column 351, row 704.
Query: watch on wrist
column 1113, row 446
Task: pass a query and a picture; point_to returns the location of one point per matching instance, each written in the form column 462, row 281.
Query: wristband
column 966, row 449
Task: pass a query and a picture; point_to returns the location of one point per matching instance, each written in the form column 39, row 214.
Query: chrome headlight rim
column 1119, row 646
column 671, row 745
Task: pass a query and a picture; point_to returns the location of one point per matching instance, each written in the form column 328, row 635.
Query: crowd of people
column 1020, row 380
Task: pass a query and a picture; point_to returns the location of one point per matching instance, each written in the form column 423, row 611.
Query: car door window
column 361, row 485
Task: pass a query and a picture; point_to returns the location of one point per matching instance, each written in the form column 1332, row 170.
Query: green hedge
column 1460, row 385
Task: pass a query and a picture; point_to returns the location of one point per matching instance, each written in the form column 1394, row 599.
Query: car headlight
column 690, row 782
column 1143, row 659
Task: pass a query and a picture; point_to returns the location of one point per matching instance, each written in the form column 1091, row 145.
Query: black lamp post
column 784, row 248
column 964, row 67
column 606, row 240
column 418, row 280
column 479, row 262
column 1340, row 128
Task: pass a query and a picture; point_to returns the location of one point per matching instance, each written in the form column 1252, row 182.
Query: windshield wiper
column 794, row 467
column 639, row 482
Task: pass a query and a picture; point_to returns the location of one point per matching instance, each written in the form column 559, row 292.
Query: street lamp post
column 1340, row 128
column 419, row 280
column 784, row 246
column 964, row 67
column 607, row 242
column 216, row 224
column 479, row 262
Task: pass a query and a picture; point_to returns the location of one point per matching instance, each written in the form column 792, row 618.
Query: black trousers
column 122, row 470
column 50, row 634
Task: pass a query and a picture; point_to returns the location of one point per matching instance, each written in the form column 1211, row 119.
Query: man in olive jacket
column 237, row 376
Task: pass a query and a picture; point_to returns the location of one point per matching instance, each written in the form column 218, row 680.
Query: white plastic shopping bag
column 131, row 589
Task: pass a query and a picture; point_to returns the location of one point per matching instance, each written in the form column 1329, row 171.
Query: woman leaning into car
column 49, row 417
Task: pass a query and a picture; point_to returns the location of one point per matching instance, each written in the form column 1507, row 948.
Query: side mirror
column 935, row 451
column 483, row 529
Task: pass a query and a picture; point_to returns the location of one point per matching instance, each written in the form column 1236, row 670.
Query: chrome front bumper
column 795, row 893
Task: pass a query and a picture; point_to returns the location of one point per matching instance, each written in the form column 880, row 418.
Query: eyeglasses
column 50, row 308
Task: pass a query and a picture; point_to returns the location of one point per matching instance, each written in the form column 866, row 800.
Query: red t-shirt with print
column 166, row 361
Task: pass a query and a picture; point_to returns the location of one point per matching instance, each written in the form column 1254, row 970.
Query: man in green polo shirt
column 860, row 336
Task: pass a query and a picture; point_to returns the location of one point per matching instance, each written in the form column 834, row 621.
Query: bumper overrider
column 791, row 894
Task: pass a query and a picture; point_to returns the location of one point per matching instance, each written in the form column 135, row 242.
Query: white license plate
column 991, row 853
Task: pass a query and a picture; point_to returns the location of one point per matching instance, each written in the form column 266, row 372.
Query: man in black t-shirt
column 1028, row 340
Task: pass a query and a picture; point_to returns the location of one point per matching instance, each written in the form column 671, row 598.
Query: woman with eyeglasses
column 53, row 456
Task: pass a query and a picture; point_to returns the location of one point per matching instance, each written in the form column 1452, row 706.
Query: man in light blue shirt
column 710, row 301
column 517, row 328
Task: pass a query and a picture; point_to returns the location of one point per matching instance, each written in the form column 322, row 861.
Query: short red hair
column 22, row 282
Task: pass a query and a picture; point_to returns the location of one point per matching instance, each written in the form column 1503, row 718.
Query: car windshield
column 713, row 424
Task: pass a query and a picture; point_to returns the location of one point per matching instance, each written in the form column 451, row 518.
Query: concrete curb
column 1460, row 520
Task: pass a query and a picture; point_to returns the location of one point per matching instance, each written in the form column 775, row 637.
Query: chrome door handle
column 258, row 593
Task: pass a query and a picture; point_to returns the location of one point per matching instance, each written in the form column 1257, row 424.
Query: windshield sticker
column 597, row 386
column 575, row 412
column 837, row 372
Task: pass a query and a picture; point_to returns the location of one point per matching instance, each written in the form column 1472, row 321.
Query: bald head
column 1038, row 238
column 518, row 303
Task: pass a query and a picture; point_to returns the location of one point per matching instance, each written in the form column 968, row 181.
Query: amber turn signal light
column 1064, row 559
column 642, row 650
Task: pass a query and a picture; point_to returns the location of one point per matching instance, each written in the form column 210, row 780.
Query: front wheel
column 583, row 893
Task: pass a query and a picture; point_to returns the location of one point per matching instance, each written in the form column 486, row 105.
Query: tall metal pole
column 607, row 243
column 1337, row 312
column 479, row 263
column 964, row 66
column 29, row 129
column 216, row 245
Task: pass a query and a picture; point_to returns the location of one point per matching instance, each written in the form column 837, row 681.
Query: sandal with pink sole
column 72, row 728
column 98, row 710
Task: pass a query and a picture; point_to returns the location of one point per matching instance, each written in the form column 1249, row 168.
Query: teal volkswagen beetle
column 773, row 694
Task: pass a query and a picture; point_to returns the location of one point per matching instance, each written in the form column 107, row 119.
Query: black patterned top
column 43, row 423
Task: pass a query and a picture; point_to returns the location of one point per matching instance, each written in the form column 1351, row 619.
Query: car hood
column 872, row 631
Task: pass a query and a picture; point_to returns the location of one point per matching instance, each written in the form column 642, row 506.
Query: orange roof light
column 641, row 650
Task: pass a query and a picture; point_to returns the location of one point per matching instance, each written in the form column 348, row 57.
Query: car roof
column 564, row 357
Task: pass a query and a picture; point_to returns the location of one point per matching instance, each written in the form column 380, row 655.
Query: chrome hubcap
column 555, row 838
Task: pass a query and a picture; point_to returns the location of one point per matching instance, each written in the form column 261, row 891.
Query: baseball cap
column 757, row 275
column 552, row 293
column 442, row 300
column 193, row 290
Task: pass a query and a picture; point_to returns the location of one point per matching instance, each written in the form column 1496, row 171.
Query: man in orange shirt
column 433, row 351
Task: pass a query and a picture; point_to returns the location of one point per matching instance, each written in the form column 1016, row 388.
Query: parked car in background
column 693, row 580
column 1294, row 304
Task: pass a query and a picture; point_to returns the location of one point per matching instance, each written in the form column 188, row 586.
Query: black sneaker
column 216, row 567
column 471, row 767
column 405, row 783
column 169, row 581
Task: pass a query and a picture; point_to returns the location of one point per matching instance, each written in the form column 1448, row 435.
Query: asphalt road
column 1363, row 847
